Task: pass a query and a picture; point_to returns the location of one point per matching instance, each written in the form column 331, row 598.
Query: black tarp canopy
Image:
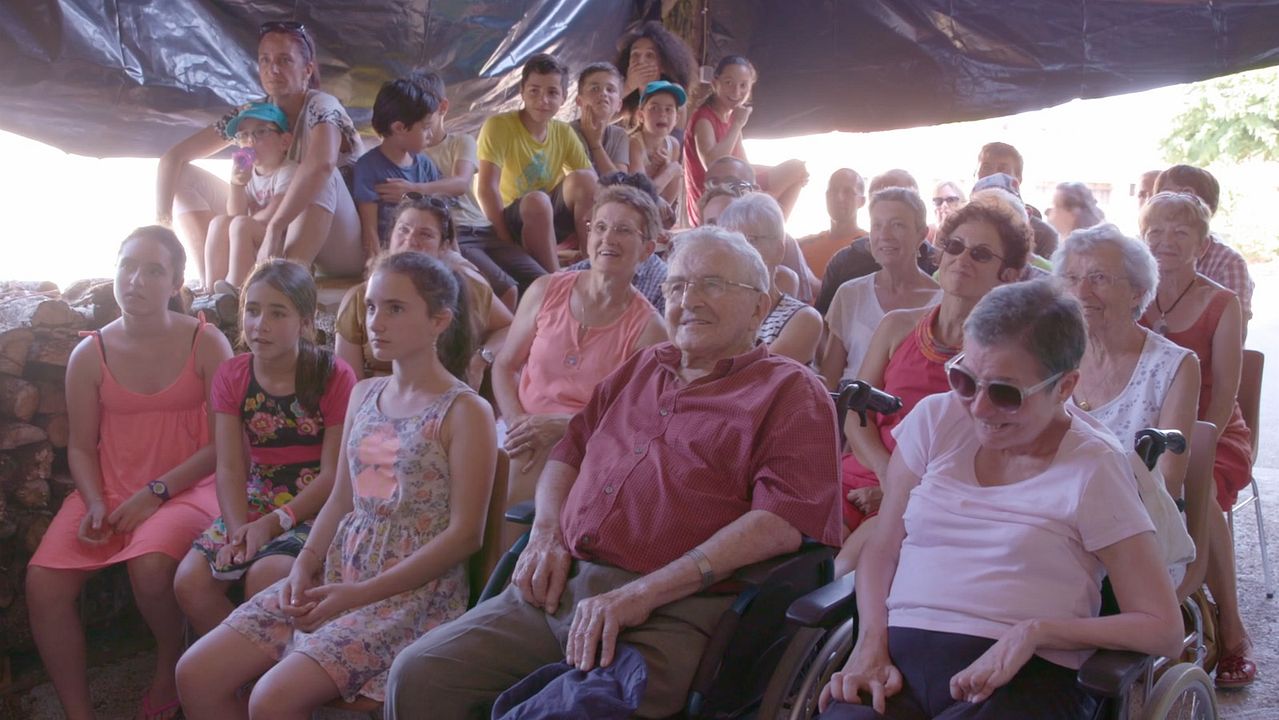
column 131, row 77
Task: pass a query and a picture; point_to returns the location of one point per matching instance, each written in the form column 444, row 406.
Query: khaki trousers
column 457, row 670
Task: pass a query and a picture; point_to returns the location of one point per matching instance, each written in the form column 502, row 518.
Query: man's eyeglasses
column 432, row 200
column 731, row 183
column 289, row 26
column 243, row 137
column 947, row 200
column 710, row 287
column 1004, row 396
column 980, row 253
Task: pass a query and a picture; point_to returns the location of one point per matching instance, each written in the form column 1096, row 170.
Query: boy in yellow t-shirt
column 535, row 182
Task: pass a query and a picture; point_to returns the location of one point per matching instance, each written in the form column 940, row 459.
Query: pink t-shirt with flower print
column 281, row 437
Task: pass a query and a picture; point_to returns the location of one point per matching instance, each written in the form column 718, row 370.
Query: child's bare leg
column 193, row 228
column 209, row 685
column 151, row 576
column 579, row 195
column 784, row 183
column 265, row 572
column 307, row 234
column 292, row 690
column 55, row 623
column 201, row 596
column 217, row 251
column 247, row 234
column 538, row 235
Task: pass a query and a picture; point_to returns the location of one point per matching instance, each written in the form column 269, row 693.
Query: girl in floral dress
column 287, row 398
column 385, row 561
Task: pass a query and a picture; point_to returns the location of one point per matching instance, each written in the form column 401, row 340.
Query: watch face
column 158, row 488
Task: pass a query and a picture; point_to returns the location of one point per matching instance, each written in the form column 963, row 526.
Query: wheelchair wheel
column 1183, row 693
column 811, row 658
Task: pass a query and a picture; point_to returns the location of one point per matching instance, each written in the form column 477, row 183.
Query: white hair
column 755, row 211
column 1139, row 264
column 748, row 262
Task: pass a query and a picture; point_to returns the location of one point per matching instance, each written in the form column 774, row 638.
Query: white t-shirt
column 445, row 155
column 853, row 315
column 262, row 187
column 977, row 560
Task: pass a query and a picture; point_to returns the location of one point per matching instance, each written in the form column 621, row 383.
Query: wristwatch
column 487, row 356
column 159, row 489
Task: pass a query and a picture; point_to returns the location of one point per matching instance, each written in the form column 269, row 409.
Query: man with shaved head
column 845, row 195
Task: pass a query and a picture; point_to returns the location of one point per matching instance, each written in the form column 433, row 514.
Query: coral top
column 564, row 365
column 916, row 370
column 1232, row 469
column 140, row 437
column 694, row 170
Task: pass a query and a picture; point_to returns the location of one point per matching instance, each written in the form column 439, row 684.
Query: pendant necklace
column 1161, row 327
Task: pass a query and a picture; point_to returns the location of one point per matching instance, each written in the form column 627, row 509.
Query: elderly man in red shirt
column 695, row 458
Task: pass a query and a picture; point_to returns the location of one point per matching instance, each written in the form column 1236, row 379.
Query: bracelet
column 289, row 511
column 703, row 566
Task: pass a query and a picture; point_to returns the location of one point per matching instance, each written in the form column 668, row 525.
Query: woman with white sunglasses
column 1004, row 508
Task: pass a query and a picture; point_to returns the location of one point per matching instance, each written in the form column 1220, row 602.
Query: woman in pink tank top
column 571, row 330
column 1201, row 315
column 985, row 244
column 141, row 457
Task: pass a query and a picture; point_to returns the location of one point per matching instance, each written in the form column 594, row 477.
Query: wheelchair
column 1128, row 685
column 751, row 636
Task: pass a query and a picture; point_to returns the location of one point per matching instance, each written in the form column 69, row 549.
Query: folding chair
column 1250, row 405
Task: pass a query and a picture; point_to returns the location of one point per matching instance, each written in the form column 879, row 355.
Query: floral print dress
column 400, row 482
column 285, row 442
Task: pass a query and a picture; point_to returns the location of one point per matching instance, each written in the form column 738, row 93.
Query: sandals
column 171, row 710
column 1235, row 669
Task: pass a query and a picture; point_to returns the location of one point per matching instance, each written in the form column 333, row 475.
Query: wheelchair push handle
column 860, row 397
column 1151, row 443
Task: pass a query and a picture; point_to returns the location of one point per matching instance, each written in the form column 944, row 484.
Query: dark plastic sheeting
column 131, row 77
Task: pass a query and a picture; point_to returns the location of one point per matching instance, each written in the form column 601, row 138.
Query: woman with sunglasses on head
column 1197, row 313
column 316, row 222
column 985, row 245
column 572, row 329
column 1004, row 507
column 424, row 223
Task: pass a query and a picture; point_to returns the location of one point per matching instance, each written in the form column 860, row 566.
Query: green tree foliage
column 1232, row 118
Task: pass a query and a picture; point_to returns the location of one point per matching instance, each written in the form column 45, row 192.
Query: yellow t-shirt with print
column 527, row 164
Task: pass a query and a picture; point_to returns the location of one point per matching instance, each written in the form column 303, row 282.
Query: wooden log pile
column 39, row 327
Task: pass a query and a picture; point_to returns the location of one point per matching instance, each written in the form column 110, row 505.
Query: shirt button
column 608, row 489
column 639, row 449
column 586, row 539
column 663, row 412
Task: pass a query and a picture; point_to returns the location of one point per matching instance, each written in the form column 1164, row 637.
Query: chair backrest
column 1200, row 489
column 1250, row 392
column 482, row 563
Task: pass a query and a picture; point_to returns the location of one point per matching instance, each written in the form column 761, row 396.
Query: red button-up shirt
column 664, row 465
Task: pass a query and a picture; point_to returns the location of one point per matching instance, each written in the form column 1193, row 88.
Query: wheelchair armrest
column 757, row 574
column 521, row 513
column 1109, row 673
column 827, row 606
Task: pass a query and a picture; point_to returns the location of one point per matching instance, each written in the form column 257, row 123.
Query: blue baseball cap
column 270, row 112
column 660, row 86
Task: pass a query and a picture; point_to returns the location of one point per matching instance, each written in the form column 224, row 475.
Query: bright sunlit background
column 66, row 214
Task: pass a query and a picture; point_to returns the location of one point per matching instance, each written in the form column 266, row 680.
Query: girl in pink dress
column 287, row 398
column 141, row 458
column 715, row 130
column 385, row 560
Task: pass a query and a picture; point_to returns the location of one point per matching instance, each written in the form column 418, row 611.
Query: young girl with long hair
column 287, row 397
column 386, row 560
column 141, row 457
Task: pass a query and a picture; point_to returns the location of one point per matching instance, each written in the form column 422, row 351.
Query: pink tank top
column 694, row 171
column 562, row 370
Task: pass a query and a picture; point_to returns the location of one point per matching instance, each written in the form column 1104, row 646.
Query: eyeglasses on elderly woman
column 1004, row 396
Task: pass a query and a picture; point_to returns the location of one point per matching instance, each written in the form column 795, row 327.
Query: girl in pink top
column 141, row 457
column 715, row 130
column 286, row 398
column 574, row 328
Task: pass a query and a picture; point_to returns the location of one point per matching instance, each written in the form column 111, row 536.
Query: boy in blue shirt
column 403, row 115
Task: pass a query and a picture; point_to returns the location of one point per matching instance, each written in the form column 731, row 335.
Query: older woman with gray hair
column 792, row 328
column 1132, row 378
column 1004, row 622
